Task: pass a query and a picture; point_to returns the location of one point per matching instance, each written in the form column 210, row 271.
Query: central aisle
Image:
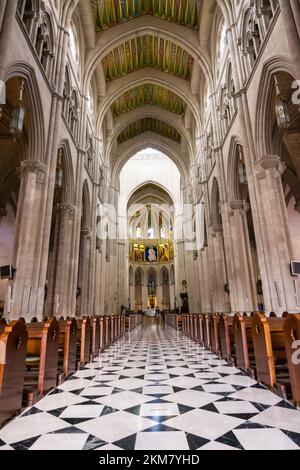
column 156, row 390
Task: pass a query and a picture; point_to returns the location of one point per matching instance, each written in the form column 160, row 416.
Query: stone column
column 221, row 300
column 159, row 298
column 278, row 284
column 243, row 287
column 172, row 295
column 28, row 296
column 85, row 275
column 145, row 296
column 131, row 296
column 8, row 11
column 63, row 286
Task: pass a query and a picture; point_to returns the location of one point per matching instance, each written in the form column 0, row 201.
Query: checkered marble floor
column 156, row 390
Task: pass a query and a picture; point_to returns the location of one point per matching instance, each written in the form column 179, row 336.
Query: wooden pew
column 13, row 341
column 291, row 331
column 270, row 353
column 214, row 333
column 95, row 336
column 243, row 340
column 67, row 346
column 200, row 328
column 226, row 335
column 84, row 341
column 107, row 331
column 102, row 333
column 206, row 332
column 41, row 359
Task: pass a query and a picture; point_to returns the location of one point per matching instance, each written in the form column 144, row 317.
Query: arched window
column 73, row 44
column 28, row 11
column 221, row 44
column 44, row 44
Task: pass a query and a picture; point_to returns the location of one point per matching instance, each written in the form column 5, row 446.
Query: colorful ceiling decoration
column 152, row 125
column 148, row 94
column 148, row 51
column 108, row 13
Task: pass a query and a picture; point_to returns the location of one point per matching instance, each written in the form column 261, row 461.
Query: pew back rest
column 292, row 344
column 13, row 341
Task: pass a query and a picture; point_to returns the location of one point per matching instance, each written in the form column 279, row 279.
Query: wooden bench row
column 174, row 320
column 35, row 357
column 133, row 321
column 266, row 348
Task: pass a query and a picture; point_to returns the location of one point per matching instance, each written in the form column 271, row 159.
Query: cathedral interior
column 149, row 225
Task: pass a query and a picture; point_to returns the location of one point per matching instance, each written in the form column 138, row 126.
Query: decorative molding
column 33, row 166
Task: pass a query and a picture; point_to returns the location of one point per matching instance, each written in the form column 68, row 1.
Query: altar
column 150, row 312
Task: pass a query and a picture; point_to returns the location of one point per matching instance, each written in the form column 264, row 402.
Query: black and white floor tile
column 156, row 390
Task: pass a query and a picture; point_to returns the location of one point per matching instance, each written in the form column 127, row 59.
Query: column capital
column 271, row 163
column 33, row 166
column 239, row 205
column 67, row 209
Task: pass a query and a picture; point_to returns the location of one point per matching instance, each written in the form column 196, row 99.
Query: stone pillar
column 131, row 296
column 221, row 299
column 242, row 287
column 145, row 296
column 8, row 11
column 172, row 295
column 278, row 285
column 28, row 296
column 159, row 298
column 63, row 286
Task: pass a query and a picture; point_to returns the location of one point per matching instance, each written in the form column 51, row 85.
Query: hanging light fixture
column 281, row 109
column 59, row 172
column 242, row 169
column 18, row 115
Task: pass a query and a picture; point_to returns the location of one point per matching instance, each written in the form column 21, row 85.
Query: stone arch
column 232, row 183
column 113, row 37
column 150, row 140
column 151, row 111
column 36, row 138
column 69, row 182
column 148, row 76
column 264, row 144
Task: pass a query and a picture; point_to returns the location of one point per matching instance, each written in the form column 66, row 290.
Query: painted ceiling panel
column 148, row 51
column 152, row 125
column 148, row 94
column 108, row 13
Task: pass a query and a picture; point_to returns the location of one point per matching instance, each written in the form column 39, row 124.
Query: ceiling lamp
column 18, row 115
column 59, row 171
column 281, row 109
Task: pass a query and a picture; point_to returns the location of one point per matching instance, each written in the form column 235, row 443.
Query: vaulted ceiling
column 147, row 51
column 149, row 125
column 148, row 78
column 148, row 94
column 109, row 13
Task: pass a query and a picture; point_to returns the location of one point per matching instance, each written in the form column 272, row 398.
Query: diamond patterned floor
column 156, row 390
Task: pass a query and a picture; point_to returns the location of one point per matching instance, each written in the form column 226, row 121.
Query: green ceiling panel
column 149, row 125
column 108, row 13
column 148, row 94
column 148, row 51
